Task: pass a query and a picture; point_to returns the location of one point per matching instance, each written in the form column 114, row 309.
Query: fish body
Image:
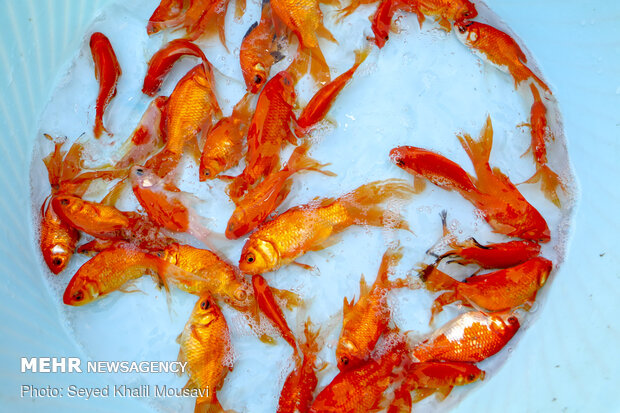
column 262, row 200
column 190, row 110
column 205, row 346
column 471, row 337
column 107, row 72
column 162, row 61
column 498, row 49
column 308, row 227
column 109, row 270
column 223, row 148
column 360, row 390
column 269, row 129
column 495, row 291
column 296, row 395
column 430, row 377
column 492, row 192
column 366, row 320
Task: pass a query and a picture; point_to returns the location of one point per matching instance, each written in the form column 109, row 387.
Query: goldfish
column 498, row 255
column 260, row 49
column 491, row 192
column 311, row 227
column 494, row 291
column 269, row 128
column 365, row 321
column 361, row 389
column 162, row 61
column 167, row 10
column 271, row 309
column 190, row 110
column 305, row 19
column 205, row 346
column 107, row 72
column 445, row 11
column 430, row 377
column 111, row 269
column 223, row 147
column 296, row 394
column 550, row 181
column 470, row 337
column 498, row 49
column 147, row 137
column 322, row 100
column 166, row 205
column 261, row 201
column 57, row 240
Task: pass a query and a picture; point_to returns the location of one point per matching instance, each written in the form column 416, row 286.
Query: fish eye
column 344, row 360
column 513, row 320
column 78, row 296
column 467, row 13
column 399, row 162
column 64, row 201
column 57, row 261
column 139, row 171
column 471, row 377
column 205, row 305
column 258, row 79
column 250, row 258
column 206, row 172
column 462, row 29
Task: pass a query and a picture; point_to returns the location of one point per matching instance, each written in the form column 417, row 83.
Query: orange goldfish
column 430, row 377
column 223, row 146
column 365, row 321
column 296, row 395
column 271, row 309
column 111, row 269
column 471, row 337
column 57, row 240
column 190, row 110
column 322, row 100
column 270, row 127
column 205, row 346
column 495, row 291
column 260, row 49
column 305, row 19
column 497, row 48
column 147, row 137
column 310, row 227
column 162, row 61
column 261, row 201
column 446, row 11
column 360, row 390
column 166, row 205
column 549, row 180
column 107, row 72
column 498, row 199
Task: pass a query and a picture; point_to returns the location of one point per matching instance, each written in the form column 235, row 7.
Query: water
column 420, row 89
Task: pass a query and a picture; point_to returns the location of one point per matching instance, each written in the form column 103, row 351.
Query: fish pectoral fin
column 304, row 266
column 332, row 240
column 419, row 185
column 443, row 392
column 364, row 288
column 130, row 287
column 421, row 394
column 323, row 32
column 291, row 299
column 267, row 339
column 445, row 24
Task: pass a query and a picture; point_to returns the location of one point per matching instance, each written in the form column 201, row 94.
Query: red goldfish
column 471, row 337
column 270, row 127
column 494, row 291
column 305, row 19
column 430, row 377
column 310, row 227
column 259, row 51
column 111, row 269
column 360, row 390
column 223, row 146
column 538, row 123
column 162, row 61
column 497, row 48
column 322, row 100
column 366, row 320
column 190, row 110
column 261, row 201
column 296, row 395
column 107, row 72
column 205, row 346
column 501, row 203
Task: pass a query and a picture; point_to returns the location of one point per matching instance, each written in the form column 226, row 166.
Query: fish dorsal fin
column 347, row 306
column 364, row 288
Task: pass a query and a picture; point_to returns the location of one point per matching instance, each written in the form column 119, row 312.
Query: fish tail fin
column 390, row 259
column 243, row 108
column 436, row 280
column 237, row 187
column 300, row 161
column 345, row 11
column 208, row 404
column 402, row 401
column 522, row 73
column 290, row 299
column 319, row 70
column 362, row 203
column 239, row 8
column 53, row 163
column 479, row 151
column 549, row 182
column 310, row 346
column 360, row 56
